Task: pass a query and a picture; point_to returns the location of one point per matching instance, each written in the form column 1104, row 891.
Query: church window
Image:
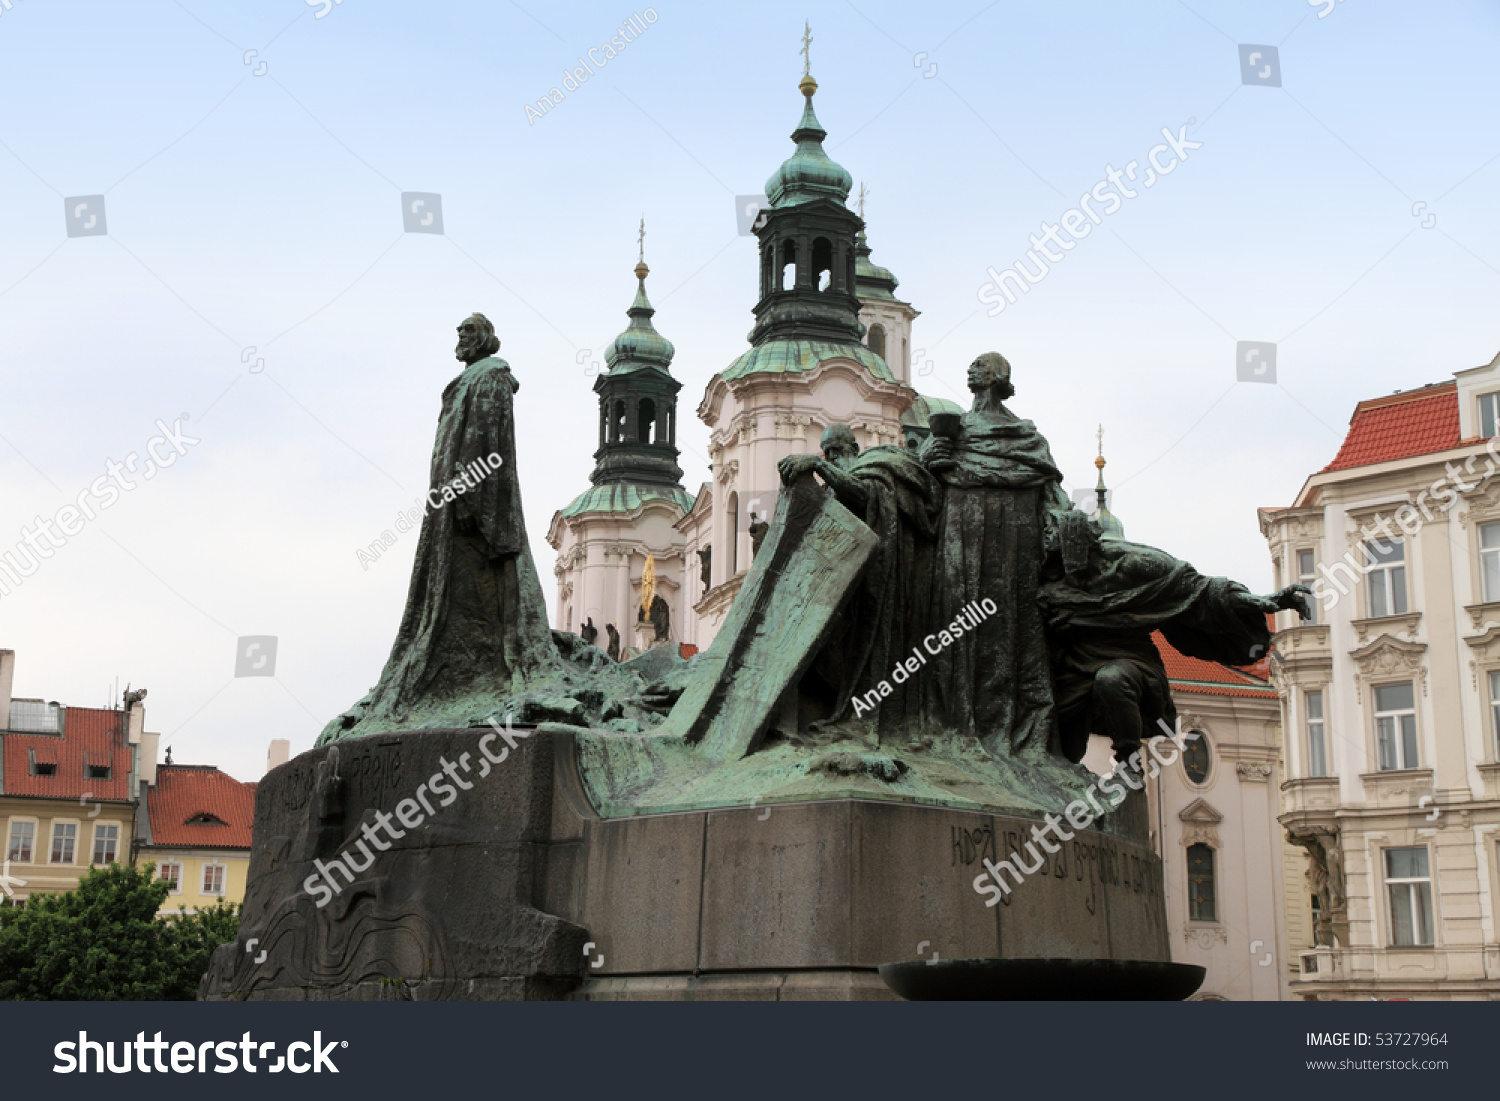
column 876, row 340
column 788, row 275
column 1195, row 758
column 646, row 421
column 1200, row 860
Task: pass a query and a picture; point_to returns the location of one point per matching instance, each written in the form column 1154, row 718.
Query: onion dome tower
column 638, row 402
column 1108, row 521
column 807, row 244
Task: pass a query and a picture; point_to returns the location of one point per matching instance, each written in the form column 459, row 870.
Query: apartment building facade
column 1391, row 700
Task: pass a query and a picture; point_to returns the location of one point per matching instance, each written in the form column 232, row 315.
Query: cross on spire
column 641, row 239
column 1101, row 441
column 806, row 52
column 862, row 194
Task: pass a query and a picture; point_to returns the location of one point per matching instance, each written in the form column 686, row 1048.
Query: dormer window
column 203, row 818
column 98, row 772
column 1489, row 414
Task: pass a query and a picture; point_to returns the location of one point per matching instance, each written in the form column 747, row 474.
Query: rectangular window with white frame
column 64, row 840
column 213, row 879
column 106, row 844
column 1489, row 562
column 171, row 871
column 1317, row 742
column 1489, row 414
column 1385, row 577
column 1408, row 886
column 1396, row 726
column 1494, row 679
column 1307, row 573
column 22, row 842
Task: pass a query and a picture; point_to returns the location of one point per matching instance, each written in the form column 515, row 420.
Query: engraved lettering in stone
column 971, row 845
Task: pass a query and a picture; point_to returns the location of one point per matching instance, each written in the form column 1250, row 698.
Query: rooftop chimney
column 279, row 753
column 7, row 673
column 149, row 743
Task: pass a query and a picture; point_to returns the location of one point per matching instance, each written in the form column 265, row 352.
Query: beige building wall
column 1233, row 810
column 1443, row 804
column 41, row 873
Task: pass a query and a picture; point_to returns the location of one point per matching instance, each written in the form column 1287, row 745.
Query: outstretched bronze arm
column 851, row 493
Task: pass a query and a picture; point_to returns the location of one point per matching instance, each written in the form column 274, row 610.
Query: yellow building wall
column 190, row 895
column 41, row 875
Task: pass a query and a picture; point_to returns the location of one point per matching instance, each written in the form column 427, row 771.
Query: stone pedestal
column 498, row 895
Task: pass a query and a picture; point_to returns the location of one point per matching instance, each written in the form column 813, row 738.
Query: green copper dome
column 1109, row 523
column 809, row 173
column 870, row 279
column 640, row 345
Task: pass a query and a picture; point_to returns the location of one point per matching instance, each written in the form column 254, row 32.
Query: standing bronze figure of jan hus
column 475, row 627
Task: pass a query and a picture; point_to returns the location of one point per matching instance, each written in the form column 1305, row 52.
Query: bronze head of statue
column 838, row 444
column 991, row 370
column 476, row 339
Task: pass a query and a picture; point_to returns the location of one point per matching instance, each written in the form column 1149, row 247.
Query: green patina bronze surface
column 938, row 627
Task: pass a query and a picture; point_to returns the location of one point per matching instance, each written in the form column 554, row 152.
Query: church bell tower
column 638, row 401
column 807, row 244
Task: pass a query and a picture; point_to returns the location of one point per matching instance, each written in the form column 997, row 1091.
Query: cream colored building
column 1391, row 700
column 1214, row 823
column 67, row 781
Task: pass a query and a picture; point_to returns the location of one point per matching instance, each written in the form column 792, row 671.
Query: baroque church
column 831, row 344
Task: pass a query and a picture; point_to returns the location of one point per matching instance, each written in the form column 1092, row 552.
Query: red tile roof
column 187, row 792
column 1400, row 426
column 92, row 733
column 1209, row 678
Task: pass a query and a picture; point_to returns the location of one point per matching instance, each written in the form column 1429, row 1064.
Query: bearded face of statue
column 838, row 444
column 476, row 339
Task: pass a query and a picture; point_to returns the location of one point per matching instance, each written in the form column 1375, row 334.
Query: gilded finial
column 862, row 194
column 641, row 270
column 808, row 85
column 1099, row 462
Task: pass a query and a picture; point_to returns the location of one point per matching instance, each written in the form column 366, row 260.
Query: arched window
column 788, row 262
column 876, row 340
column 1195, row 758
column 734, row 534
column 647, row 421
column 822, row 258
column 617, row 427
column 672, row 425
column 1200, row 861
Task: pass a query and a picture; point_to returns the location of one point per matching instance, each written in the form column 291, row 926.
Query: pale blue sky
column 264, row 211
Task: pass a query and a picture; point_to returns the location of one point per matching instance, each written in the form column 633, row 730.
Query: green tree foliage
column 104, row 942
